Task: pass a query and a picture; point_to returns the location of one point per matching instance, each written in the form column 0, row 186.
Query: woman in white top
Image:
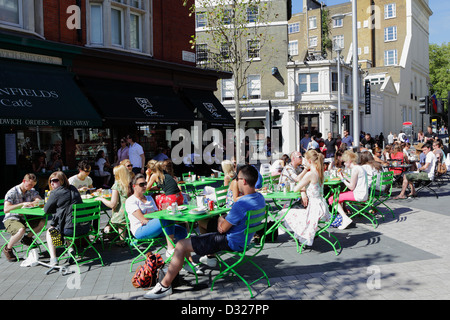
column 357, row 184
column 137, row 205
column 102, row 164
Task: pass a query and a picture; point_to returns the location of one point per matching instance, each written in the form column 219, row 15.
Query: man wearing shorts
column 425, row 172
column 22, row 195
column 230, row 233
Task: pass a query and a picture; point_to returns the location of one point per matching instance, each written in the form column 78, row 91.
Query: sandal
column 400, row 198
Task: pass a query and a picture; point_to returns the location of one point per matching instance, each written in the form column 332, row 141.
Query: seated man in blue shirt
column 230, row 233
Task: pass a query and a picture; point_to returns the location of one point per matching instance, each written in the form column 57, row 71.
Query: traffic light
column 333, row 116
column 276, row 115
column 343, row 119
column 424, row 105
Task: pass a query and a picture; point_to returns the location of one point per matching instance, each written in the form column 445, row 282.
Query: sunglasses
column 54, row 180
column 142, row 184
column 129, row 165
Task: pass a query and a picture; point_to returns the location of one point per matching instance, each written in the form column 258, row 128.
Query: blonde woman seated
column 229, row 172
column 357, row 184
column 121, row 190
column 304, row 221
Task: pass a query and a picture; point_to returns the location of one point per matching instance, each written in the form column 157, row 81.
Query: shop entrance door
column 309, row 123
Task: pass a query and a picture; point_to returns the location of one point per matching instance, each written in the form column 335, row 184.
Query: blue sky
column 439, row 31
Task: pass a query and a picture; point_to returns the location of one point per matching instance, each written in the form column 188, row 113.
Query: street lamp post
column 339, row 116
column 355, row 76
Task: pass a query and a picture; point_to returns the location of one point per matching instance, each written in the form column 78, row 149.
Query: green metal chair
column 221, row 195
column 83, row 213
column 323, row 226
column 256, row 220
column 135, row 244
column 384, row 190
column 18, row 248
column 365, row 208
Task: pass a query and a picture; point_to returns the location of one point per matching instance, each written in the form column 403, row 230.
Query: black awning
column 208, row 107
column 42, row 95
column 142, row 104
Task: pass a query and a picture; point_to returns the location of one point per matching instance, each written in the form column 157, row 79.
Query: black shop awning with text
column 208, row 107
column 122, row 102
column 42, row 95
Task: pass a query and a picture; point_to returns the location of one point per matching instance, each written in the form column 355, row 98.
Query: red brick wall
column 55, row 22
column 172, row 30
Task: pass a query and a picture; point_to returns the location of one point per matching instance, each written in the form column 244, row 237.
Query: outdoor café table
column 215, row 179
column 282, row 196
column 195, row 184
column 32, row 214
column 184, row 215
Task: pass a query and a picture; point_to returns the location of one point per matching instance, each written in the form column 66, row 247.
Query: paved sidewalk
column 406, row 257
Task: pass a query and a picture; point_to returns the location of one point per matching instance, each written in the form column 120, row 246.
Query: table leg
column 37, row 236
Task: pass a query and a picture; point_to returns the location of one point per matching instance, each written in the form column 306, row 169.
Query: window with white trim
column 308, row 82
column 390, row 57
column 127, row 29
column 201, row 52
column 312, row 41
column 253, row 48
column 22, row 15
column 338, row 42
column 390, row 33
column 390, row 11
column 338, row 23
column 294, row 27
column 252, row 14
column 313, row 22
column 293, row 48
column 254, row 87
column 11, row 12
column 227, row 89
column 201, row 20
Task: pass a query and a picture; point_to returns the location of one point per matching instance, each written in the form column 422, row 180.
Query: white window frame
column 312, row 42
column 252, row 14
column 312, row 22
column 227, row 89
column 303, row 76
column 101, row 41
column 122, row 27
column 390, row 11
column 308, row 82
column 293, row 27
column 293, row 48
column 338, row 23
column 254, row 86
column 139, row 30
column 201, row 20
column 338, row 40
column 315, row 74
column 390, row 55
column 201, row 52
column 19, row 14
column 390, row 34
column 251, row 50
column 129, row 11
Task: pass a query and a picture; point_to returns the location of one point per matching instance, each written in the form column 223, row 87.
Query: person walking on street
column 136, row 154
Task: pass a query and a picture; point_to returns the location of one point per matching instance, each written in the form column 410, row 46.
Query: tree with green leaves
column 235, row 33
column 440, row 70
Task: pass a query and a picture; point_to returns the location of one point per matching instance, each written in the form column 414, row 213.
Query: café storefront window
column 89, row 141
column 152, row 138
column 39, row 142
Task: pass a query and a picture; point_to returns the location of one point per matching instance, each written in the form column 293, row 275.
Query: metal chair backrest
column 221, row 195
column 86, row 213
column 256, row 221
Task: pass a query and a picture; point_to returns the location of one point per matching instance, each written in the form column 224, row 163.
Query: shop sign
column 9, row 96
column 147, row 107
column 44, row 122
column 212, row 109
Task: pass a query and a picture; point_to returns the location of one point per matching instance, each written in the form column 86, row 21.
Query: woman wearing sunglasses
column 138, row 205
column 63, row 195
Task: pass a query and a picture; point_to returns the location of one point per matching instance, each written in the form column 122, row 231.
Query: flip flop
column 400, row 198
column 412, row 195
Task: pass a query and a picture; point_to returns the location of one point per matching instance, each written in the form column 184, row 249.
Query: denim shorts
column 210, row 243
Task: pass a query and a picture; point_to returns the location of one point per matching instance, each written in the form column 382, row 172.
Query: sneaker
column 9, row 254
column 158, row 291
column 345, row 223
column 53, row 262
column 169, row 252
column 26, row 240
column 188, row 269
column 210, row 262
